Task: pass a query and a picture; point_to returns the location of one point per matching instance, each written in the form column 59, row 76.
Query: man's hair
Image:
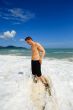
column 28, row 38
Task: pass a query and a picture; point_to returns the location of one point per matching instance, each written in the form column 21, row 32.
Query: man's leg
column 34, row 78
column 45, row 82
column 42, row 79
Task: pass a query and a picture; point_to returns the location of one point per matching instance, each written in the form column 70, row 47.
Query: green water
column 53, row 53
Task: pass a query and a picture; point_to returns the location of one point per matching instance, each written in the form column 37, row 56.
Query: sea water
column 17, row 89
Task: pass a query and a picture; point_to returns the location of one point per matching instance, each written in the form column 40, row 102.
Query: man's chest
column 34, row 48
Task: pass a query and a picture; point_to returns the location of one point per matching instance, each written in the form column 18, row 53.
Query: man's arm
column 41, row 50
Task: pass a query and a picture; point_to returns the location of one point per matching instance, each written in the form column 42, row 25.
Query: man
column 38, row 53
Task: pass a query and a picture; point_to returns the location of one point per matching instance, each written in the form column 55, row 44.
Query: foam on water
column 17, row 91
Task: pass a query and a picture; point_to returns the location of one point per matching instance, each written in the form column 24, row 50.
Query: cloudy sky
column 49, row 22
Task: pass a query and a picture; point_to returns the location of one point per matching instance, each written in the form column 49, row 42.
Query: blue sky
column 49, row 22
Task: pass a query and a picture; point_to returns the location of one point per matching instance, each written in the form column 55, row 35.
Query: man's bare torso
column 35, row 52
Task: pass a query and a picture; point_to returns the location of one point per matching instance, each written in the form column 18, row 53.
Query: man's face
column 29, row 41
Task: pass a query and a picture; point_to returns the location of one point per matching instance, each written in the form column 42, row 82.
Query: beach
column 16, row 80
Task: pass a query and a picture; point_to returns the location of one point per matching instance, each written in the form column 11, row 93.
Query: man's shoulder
column 38, row 44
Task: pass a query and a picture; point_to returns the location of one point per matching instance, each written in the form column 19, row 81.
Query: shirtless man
column 38, row 53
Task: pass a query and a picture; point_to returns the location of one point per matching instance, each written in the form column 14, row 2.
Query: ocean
column 17, row 89
column 50, row 53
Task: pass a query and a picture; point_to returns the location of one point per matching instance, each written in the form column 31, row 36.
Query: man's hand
column 40, row 60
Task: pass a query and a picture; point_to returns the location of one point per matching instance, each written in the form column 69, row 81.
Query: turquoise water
column 53, row 53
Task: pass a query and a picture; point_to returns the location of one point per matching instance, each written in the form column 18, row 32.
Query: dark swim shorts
column 36, row 67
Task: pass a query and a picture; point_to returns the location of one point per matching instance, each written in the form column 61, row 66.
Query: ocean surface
column 19, row 92
column 50, row 53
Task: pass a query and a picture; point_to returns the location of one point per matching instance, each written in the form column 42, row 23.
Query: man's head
column 29, row 40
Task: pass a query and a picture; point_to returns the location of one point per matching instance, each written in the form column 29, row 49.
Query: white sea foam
column 17, row 90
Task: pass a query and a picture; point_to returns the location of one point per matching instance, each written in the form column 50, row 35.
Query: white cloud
column 21, row 40
column 16, row 14
column 8, row 34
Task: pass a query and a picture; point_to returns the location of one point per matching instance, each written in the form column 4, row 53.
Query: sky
column 49, row 22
